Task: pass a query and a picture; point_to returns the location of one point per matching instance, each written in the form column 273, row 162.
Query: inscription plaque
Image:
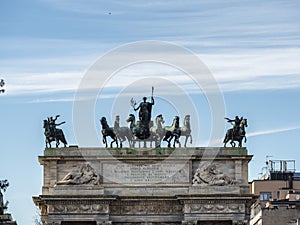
column 142, row 173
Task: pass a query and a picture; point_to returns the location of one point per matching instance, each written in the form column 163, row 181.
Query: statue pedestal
column 146, row 186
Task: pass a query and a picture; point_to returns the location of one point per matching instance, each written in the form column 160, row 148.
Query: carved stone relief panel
column 92, row 209
column 189, row 222
column 83, row 175
column 78, row 207
column 104, row 223
column 211, row 175
column 214, row 208
column 240, row 223
column 146, row 207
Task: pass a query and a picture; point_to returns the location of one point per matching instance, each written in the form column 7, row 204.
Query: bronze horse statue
column 141, row 131
column 173, row 131
column 239, row 136
column 123, row 133
column 108, row 131
column 158, row 131
column 57, row 136
column 186, row 129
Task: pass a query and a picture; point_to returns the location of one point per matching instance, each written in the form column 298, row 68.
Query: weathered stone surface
column 78, row 190
column 204, row 190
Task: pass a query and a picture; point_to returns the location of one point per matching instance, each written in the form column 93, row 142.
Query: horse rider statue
column 53, row 125
column 52, row 133
column 236, row 125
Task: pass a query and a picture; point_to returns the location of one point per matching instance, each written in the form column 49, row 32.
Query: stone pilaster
column 238, row 170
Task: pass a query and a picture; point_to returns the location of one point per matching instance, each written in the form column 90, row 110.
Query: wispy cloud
column 42, row 83
column 272, row 131
column 251, row 70
column 234, row 24
column 243, row 44
column 241, row 64
column 219, row 141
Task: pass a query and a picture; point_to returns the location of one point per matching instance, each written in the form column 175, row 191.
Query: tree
column 2, row 83
column 3, row 186
column 37, row 218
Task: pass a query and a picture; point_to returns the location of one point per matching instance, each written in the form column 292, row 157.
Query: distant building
column 278, row 194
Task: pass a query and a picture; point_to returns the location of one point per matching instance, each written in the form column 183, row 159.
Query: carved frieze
column 189, row 222
column 214, row 208
column 53, row 223
column 240, row 222
column 78, row 209
column 149, row 208
column 104, row 223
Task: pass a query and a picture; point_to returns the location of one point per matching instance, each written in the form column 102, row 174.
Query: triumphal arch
column 93, row 186
column 143, row 183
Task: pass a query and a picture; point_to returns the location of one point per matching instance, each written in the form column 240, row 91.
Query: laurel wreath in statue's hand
column 132, row 102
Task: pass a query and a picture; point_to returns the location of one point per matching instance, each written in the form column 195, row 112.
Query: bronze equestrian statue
column 52, row 133
column 237, row 133
column 108, row 131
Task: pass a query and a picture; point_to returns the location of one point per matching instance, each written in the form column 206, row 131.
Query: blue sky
column 46, row 47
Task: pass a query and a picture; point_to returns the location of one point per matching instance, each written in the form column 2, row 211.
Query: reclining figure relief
column 86, row 175
column 210, row 175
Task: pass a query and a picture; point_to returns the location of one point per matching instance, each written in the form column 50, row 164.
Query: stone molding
column 75, row 190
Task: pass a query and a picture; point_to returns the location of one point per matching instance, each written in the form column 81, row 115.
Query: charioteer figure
column 145, row 109
column 141, row 129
